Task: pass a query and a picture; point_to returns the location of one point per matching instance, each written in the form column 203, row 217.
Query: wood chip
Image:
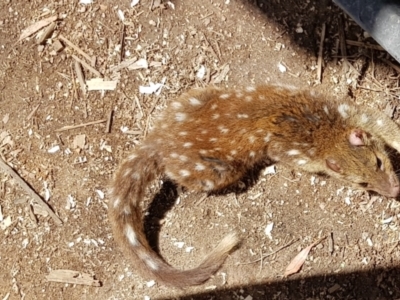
column 73, row 277
column 36, row 27
column 222, row 74
column 122, row 65
column 98, row 84
column 47, row 33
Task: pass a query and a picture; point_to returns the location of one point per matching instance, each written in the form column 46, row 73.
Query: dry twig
column 69, row 127
column 320, row 52
column 6, row 168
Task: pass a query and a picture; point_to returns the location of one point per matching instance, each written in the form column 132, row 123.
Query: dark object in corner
column 380, row 18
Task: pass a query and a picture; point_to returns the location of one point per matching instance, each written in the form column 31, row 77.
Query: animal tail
column 125, row 214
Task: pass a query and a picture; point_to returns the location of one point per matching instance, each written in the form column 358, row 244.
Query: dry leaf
column 36, row 27
column 297, row 262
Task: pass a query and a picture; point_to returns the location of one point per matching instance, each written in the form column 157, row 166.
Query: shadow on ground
column 376, row 284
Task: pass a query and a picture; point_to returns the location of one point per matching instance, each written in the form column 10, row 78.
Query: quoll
column 208, row 138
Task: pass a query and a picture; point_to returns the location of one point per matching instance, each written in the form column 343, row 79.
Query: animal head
column 362, row 160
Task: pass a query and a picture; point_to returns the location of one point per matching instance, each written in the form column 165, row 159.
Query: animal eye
column 379, row 163
column 363, row 184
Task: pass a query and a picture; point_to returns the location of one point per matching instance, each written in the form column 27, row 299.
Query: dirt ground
column 185, row 44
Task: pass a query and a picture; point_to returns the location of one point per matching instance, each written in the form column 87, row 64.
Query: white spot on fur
column 203, row 151
column 396, row 146
column 214, row 106
column 379, row 122
column 267, row 138
column 117, row 201
column 136, row 175
column 170, row 174
column 195, row 102
column 326, row 110
column 228, row 157
column 242, row 116
column 131, row 236
column 183, row 158
column 293, row 152
column 148, row 260
column 364, row 118
column 215, row 116
column 199, row 167
column 250, row 89
column 223, row 129
column 233, row 152
column 187, row 145
column 127, row 210
column 342, row 109
column 132, row 157
column 184, row 173
column 252, row 139
column 209, row 185
column 213, row 140
column 204, row 131
column 248, row 98
column 301, row 162
column 151, row 264
column 261, row 97
column 174, row 155
column 239, row 95
column 182, row 133
column 180, row 117
column 127, row 172
column 252, row 154
column 176, row 105
column 224, row 96
column 311, row 151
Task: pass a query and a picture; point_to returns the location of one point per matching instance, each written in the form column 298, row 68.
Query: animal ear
column 333, row 165
column 357, row 137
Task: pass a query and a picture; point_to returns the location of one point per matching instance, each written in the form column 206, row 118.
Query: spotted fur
column 208, row 138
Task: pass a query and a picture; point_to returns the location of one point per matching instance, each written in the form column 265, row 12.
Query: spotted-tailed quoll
column 208, row 138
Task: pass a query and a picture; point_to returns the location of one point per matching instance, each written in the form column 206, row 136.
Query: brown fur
column 208, row 138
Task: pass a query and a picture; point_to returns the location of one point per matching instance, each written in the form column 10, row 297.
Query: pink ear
column 356, row 137
column 333, row 165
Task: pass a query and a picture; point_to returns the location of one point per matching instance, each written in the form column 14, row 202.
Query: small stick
column 218, row 49
column 33, row 112
column 75, row 92
column 335, row 57
column 87, row 66
column 211, row 48
column 272, row 253
column 6, row 168
column 206, row 16
column 109, row 119
column 330, row 243
column 148, row 117
column 121, row 54
column 320, row 52
column 365, row 45
column 69, row 43
column 69, row 127
column 79, row 75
